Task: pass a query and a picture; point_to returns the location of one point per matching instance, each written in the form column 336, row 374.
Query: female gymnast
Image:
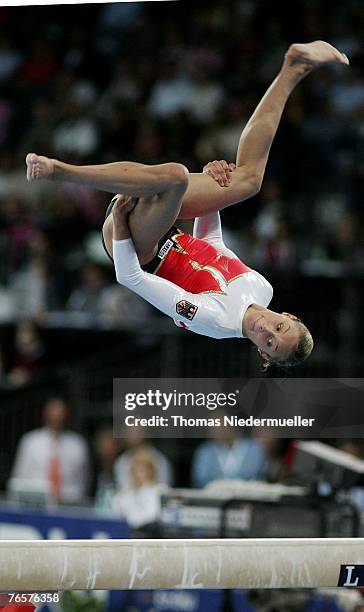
column 195, row 279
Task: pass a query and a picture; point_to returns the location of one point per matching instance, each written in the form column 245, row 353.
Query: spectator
column 53, row 459
column 139, row 502
column 118, row 130
column 228, row 456
column 136, row 441
column 123, row 307
column 170, row 93
column 19, row 230
column 267, row 220
column 29, row 353
column 6, row 305
column 77, row 136
column 39, row 67
column 117, row 16
column 347, row 97
column 38, row 135
column 10, row 59
column 148, row 143
column 87, row 297
column 107, row 450
column 124, row 88
column 33, row 286
column 220, row 138
column 206, row 95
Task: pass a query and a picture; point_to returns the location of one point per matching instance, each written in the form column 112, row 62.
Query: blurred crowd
column 127, row 476
column 156, row 83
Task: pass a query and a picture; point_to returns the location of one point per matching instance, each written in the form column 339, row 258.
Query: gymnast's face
column 275, row 334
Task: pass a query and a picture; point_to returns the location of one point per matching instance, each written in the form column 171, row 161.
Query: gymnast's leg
column 203, row 194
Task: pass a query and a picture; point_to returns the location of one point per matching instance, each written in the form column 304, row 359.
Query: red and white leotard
column 200, row 283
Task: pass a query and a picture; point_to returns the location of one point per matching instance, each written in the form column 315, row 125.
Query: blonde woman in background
column 139, row 503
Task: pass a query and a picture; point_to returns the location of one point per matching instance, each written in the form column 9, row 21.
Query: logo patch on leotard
column 186, row 309
column 165, row 249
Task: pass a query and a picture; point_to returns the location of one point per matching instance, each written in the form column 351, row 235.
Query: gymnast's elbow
column 127, row 280
column 256, row 181
column 248, row 181
column 253, row 183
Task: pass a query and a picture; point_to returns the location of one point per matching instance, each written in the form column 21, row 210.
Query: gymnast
column 196, row 279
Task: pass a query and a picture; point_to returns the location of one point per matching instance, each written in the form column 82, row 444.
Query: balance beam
column 45, row 565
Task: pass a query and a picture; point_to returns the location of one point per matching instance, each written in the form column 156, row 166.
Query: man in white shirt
column 139, row 230
column 53, row 459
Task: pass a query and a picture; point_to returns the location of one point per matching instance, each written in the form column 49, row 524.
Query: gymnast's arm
column 159, row 292
column 208, row 228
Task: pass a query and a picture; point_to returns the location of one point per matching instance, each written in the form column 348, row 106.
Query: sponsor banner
column 23, row 523
column 194, row 408
column 351, row 576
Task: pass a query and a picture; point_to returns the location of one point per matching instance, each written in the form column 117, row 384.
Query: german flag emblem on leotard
column 186, row 309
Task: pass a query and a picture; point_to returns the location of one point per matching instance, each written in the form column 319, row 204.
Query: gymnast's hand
column 220, row 171
column 122, row 207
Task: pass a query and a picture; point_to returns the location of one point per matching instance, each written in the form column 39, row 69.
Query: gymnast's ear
column 263, row 354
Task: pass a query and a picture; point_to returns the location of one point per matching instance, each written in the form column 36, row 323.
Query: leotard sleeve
column 209, row 228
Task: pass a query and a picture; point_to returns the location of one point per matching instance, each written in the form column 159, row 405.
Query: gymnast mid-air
column 197, row 280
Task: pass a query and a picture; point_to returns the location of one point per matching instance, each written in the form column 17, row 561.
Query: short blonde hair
column 145, row 457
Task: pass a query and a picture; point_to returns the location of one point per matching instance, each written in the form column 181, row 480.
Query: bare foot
column 38, row 167
column 314, row 54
